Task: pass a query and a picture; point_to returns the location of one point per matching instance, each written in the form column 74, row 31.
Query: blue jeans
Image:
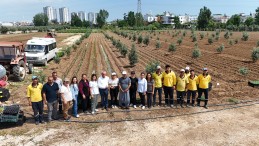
column 75, row 105
column 104, row 97
column 159, row 90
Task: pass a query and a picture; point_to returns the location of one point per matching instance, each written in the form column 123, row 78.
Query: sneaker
column 171, row 105
column 77, row 116
column 37, row 122
column 154, row 105
column 115, row 106
column 49, row 120
column 182, row 106
column 135, row 106
column 42, row 122
column 140, row 105
column 96, row 110
column 205, row 106
column 112, row 106
column 92, row 113
column 131, row 104
column 187, row 105
column 143, row 107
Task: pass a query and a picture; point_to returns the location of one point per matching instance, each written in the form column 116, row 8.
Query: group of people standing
column 59, row 96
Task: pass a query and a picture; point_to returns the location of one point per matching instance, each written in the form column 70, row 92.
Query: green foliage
column 245, row 36
column 60, row 54
column 184, row 33
column 3, row 30
column 140, row 39
column 255, row 54
column 124, row 51
column 204, row 18
column 230, row 42
column 68, row 51
column 76, row 21
column 40, row 19
column 151, row 66
column 101, row 18
column 172, row 47
column 257, row 44
column 79, row 30
column 177, row 23
column 243, row 71
column 133, row 56
column 257, row 16
column 249, row 21
column 139, row 19
column 131, row 20
column 210, row 40
column 226, row 35
column 201, row 35
column 194, row 38
column 234, row 20
column 179, row 41
column 196, row 53
column 236, row 40
column 233, row 100
column 146, row 40
column 56, row 59
column 74, row 46
column 158, row 44
column 134, row 38
column 41, row 76
column 220, row 48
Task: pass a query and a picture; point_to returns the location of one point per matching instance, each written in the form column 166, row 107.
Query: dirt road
column 238, row 126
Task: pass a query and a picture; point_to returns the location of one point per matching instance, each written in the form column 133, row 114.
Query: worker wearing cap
column 203, row 80
column 192, row 88
column 157, row 76
column 181, row 87
column 187, row 71
column 35, row 99
column 169, row 82
column 114, row 89
column 66, row 96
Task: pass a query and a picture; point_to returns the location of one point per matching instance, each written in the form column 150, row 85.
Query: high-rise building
column 64, row 15
column 50, row 12
column 91, row 17
column 81, row 15
column 55, row 15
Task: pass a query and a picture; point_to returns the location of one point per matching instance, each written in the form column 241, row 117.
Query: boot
column 205, row 105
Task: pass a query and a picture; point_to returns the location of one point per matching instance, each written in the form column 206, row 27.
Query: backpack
column 4, row 94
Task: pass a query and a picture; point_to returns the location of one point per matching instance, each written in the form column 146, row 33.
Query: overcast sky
column 19, row 10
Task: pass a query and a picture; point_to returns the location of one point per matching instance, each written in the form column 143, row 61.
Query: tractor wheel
column 19, row 71
column 30, row 67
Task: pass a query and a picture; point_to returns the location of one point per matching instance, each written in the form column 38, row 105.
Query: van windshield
column 35, row 48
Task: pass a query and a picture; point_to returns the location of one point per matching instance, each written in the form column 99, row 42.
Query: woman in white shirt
column 142, row 89
column 114, row 89
column 94, row 92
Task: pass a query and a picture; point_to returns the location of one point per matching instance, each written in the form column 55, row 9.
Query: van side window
column 50, row 47
column 54, row 45
column 46, row 49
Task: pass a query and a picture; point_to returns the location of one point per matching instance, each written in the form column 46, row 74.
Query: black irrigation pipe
column 159, row 117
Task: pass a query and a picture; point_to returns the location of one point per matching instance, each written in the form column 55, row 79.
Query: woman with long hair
column 75, row 90
column 84, row 92
column 150, row 89
column 114, row 89
column 94, row 92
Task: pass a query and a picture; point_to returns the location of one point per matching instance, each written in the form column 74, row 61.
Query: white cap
column 158, row 67
column 124, row 72
column 187, row 68
column 182, row 70
column 205, row 69
column 114, row 74
column 2, row 71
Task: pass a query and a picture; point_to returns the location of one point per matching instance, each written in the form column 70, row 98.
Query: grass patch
column 233, row 100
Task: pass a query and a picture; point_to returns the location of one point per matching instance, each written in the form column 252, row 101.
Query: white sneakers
column 96, row 110
column 143, row 107
column 140, row 105
column 135, row 106
column 77, row 116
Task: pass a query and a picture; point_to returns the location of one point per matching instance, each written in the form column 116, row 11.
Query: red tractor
column 13, row 58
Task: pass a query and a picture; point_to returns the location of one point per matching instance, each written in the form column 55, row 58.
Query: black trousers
column 37, row 108
column 133, row 97
column 86, row 103
column 149, row 100
column 114, row 95
column 169, row 91
column 189, row 94
column 142, row 98
column 60, row 104
column 180, row 97
column 206, row 94
column 159, row 90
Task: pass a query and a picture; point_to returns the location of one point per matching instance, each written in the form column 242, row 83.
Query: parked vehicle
column 13, row 58
column 40, row 50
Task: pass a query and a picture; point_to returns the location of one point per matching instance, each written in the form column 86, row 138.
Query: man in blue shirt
column 50, row 96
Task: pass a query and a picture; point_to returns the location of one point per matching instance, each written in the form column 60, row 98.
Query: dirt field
column 227, row 127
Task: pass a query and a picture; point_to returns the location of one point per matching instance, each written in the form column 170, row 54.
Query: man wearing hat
column 66, row 96
column 203, row 80
column 181, row 86
column 157, row 76
column 169, row 82
column 35, row 99
column 187, row 71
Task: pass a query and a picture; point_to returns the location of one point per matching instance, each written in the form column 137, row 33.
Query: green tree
column 133, row 56
column 40, row 19
column 101, row 17
column 177, row 23
column 76, row 21
column 139, row 19
column 249, row 21
column 234, row 20
column 257, row 16
column 86, row 24
column 3, row 30
column 131, row 18
column 204, row 18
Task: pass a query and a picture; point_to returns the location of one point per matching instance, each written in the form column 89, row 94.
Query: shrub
column 231, row 33
column 130, row 37
column 146, row 40
column 133, row 56
column 194, row 38
column 213, row 35
column 172, row 48
column 158, row 44
column 220, row 48
column 255, row 54
column 226, row 35
column 201, row 35
column 56, row 59
column 243, row 71
column 217, row 37
column 179, row 41
column 245, row 36
column 151, row 66
column 217, row 33
column 74, row 47
column 257, row 44
column 236, row 41
column 210, row 40
column 124, row 51
column 78, row 42
column 68, row 51
column 157, row 38
column 140, row 39
column 114, row 42
column 230, row 42
column 3, row 30
column 196, row 53
column 184, row 33
column 60, row 54
column 134, row 37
